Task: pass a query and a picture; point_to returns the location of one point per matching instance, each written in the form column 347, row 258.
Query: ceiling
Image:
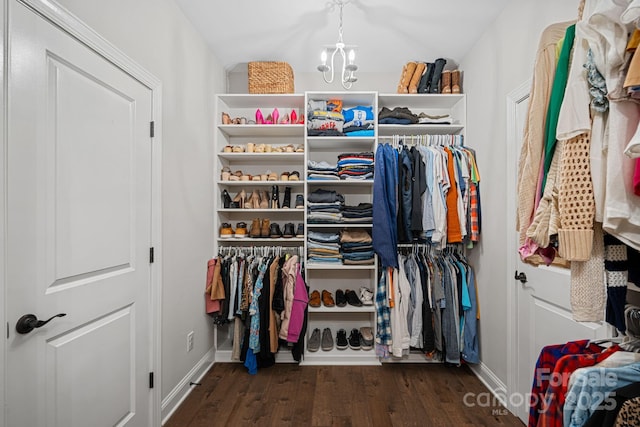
column 387, row 33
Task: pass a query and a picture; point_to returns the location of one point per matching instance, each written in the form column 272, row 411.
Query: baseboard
column 183, row 389
column 492, row 382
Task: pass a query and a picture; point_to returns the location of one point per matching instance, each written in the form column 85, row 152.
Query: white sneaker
column 366, row 296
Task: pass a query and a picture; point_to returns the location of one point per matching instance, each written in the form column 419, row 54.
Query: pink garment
column 636, row 178
column 211, row 306
column 300, row 300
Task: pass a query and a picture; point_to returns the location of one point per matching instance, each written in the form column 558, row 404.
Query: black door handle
column 521, row 277
column 29, row 322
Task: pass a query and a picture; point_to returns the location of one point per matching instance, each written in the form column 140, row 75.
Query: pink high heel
column 285, row 119
column 294, row 117
column 275, row 115
column 259, row 118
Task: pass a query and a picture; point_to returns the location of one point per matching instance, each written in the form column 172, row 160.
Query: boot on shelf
column 456, row 86
column 405, row 77
column 434, row 85
column 256, row 228
column 286, row 201
column 265, row 228
column 417, row 75
column 446, row 81
column 423, row 86
column 275, row 197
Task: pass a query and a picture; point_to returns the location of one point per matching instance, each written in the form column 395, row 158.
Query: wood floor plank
column 323, row 396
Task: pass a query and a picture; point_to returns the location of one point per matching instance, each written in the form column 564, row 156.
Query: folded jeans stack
column 356, row 247
column 355, row 166
column 360, row 214
column 323, row 247
column 324, row 207
column 322, row 171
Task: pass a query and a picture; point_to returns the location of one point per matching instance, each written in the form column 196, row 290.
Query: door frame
column 66, row 21
column 515, row 97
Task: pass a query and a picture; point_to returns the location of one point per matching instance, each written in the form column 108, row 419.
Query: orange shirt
column 454, row 234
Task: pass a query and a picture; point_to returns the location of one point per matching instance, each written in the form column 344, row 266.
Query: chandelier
column 348, row 59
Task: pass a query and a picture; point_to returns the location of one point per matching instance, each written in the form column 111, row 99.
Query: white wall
column 156, row 34
column 498, row 63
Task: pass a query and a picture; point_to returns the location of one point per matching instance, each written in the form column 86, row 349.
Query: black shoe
column 275, row 197
column 226, row 199
column 299, row 202
column 274, row 231
column 300, row 230
column 354, row 339
column 341, row 340
column 341, row 299
column 288, row 230
column 353, row 299
column 286, row 202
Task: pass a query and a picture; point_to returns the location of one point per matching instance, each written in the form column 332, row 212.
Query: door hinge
column 150, row 379
column 151, row 257
column 152, row 129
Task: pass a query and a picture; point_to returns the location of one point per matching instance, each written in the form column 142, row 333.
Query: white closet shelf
column 250, row 240
column 344, row 143
column 342, row 182
column 264, row 101
column 262, row 130
column 426, row 129
column 261, row 157
column 341, row 357
column 346, row 309
column 278, row 211
column 260, row 183
column 336, row 266
column 340, row 225
column 419, row 100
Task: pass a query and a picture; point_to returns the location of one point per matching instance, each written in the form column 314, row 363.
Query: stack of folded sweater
column 356, row 247
column 324, row 118
column 324, row 207
column 358, row 121
column 397, row 116
column 434, row 119
column 322, row 171
column 355, row 165
column 323, row 247
column 361, row 214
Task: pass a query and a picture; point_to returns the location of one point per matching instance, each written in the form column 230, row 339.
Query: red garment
column 559, row 384
column 636, row 178
column 475, row 226
column 545, row 365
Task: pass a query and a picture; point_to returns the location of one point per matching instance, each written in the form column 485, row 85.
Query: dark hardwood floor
column 290, row 395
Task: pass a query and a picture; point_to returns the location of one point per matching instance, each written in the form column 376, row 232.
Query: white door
column 542, row 314
column 78, row 234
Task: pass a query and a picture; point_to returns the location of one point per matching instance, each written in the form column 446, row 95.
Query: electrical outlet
column 189, row 341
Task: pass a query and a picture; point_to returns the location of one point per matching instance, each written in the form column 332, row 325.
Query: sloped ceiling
column 388, row 33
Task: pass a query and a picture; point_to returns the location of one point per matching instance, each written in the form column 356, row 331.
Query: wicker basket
column 270, row 77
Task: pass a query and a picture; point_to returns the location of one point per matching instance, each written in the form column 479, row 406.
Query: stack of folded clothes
column 355, row 165
column 361, row 214
column 434, row 119
column 324, row 118
column 324, row 207
column 358, row 121
column 322, row 171
column 356, row 247
column 397, row 116
column 323, row 247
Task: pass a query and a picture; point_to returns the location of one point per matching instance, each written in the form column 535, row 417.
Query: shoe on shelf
column 366, row 296
column 341, row 340
column 327, row 340
column 238, row 201
column 241, row 230
column 256, row 227
column 251, row 147
column 275, row 197
column 284, row 176
column 274, row 231
column 314, row 299
column 300, row 230
column 288, row 230
column 226, row 119
column 294, row 176
column 253, row 202
column 352, row 298
column 314, row 340
column 354, row 339
column 264, row 199
column 265, row 229
column 226, row 232
column 225, row 174
column 299, row 201
column 327, row 299
column 226, row 199
column 366, row 338
column 286, row 201
column 284, row 120
column 293, row 117
column 259, row 118
column 341, row 299
column 275, row 115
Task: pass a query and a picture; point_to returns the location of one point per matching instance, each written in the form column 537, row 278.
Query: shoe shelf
column 261, row 183
column 260, row 240
column 253, row 101
column 278, row 211
column 341, row 357
column 346, row 309
column 262, row 157
column 286, row 130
